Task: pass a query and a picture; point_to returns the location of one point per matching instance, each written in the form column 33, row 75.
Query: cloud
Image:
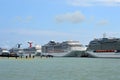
column 94, row 2
column 102, row 23
column 26, row 19
column 34, row 32
column 29, row 18
column 40, row 33
column 79, row 2
column 75, row 17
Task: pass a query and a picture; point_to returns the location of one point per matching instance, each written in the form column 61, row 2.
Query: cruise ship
column 104, row 48
column 29, row 52
column 4, row 52
column 62, row 49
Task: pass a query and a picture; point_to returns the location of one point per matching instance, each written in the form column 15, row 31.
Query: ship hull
column 103, row 55
column 75, row 53
column 56, row 54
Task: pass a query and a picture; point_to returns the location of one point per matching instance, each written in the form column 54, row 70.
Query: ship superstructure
column 32, row 51
column 23, row 52
column 61, row 49
column 4, row 52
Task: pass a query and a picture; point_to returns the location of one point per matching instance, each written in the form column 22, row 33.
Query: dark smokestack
column 19, row 45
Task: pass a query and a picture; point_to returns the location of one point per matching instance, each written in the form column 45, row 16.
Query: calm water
column 59, row 69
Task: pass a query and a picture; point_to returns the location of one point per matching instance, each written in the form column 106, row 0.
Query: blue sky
column 43, row 20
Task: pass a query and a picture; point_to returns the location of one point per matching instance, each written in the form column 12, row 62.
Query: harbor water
column 59, row 69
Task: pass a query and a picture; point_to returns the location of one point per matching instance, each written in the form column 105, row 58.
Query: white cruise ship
column 61, row 49
column 104, row 48
column 4, row 52
column 29, row 52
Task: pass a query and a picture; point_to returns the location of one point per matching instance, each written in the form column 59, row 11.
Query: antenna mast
column 104, row 35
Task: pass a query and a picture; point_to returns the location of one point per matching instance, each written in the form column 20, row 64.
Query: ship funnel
column 19, row 45
column 30, row 44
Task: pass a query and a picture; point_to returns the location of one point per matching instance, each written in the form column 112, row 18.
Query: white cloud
column 29, row 18
column 41, row 33
column 94, row 2
column 79, row 2
column 75, row 17
column 34, row 32
column 102, row 23
column 26, row 19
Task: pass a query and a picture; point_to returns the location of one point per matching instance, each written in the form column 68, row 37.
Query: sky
column 40, row 21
